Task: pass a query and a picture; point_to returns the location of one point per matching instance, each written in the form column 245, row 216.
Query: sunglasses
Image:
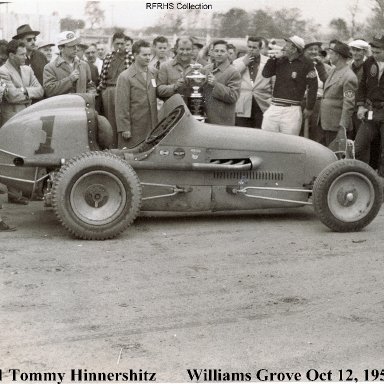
column 29, row 39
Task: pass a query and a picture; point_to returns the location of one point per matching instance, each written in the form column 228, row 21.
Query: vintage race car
column 55, row 149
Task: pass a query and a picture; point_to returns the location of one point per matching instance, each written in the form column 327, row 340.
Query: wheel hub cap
column 96, row 196
column 347, row 198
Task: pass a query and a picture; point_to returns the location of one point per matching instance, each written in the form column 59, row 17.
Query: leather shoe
column 17, row 200
column 6, row 228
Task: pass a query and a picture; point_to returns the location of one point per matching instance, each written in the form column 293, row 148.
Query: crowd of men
column 303, row 89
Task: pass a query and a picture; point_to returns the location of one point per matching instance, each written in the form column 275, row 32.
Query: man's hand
column 126, row 135
column 307, row 113
column 74, row 76
column 361, row 112
column 211, row 80
column 179, row 84
column 247, row 59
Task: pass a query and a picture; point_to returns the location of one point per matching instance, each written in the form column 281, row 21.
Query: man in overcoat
column 67, row 73
column 136, row 103
column 222, row 89
column 338, row 100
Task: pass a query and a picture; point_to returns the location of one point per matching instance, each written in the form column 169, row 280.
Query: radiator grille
column 250, row 175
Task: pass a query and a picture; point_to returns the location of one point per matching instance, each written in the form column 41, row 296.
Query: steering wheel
column 165, row 125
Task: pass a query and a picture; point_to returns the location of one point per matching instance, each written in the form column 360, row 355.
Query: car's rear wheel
column 347, row 195
column 96, row 195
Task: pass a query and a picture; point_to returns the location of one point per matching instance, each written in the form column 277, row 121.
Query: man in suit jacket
column 222, row 88
column 338, row 100
column 256, row 90
column 136, row 104
column 22, row 84
column 67, row 73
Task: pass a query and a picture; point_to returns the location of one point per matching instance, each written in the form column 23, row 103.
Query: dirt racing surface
column 275, row 291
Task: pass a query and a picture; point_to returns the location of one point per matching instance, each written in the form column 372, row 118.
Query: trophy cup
column 195, row 100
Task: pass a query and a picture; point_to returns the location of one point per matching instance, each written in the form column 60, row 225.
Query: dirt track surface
column 276, row 291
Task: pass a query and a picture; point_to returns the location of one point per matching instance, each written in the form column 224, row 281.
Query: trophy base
column 199, row 118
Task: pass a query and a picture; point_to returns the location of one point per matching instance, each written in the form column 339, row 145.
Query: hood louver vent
column 250, row 175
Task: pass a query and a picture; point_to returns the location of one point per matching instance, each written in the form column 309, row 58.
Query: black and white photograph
column 191, row 191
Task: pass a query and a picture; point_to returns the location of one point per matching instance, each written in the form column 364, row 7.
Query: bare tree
column 95, row 15
column 354, row 10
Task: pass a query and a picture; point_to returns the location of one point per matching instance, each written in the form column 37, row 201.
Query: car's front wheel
column 96, row 195
column 347, row 195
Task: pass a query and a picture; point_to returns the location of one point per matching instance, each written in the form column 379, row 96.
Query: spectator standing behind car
column 359, row 50
column 370, row 101
column 160, row 52
column 256, row 90
column 80, row 51
column 171, row 77
column 100, row 56
column 90, row 55
column 4, row 227
column 46, row 49
column 20, row 80
column 136, row 103
column 232, row 53
column 35, row 59
column 67, row 73
column 312, row 52
column 22, row 87
column 294, row 75
column 338, row 100
column 3, row 52
column 222, row 89
column 114, row 63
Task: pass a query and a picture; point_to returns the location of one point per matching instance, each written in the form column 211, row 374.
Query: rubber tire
column 93, row 171
column 324, row 183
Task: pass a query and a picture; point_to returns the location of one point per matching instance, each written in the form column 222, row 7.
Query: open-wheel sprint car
column 54, row 149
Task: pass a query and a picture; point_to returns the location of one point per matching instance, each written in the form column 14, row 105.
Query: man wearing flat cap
column 370, row 101
column 67, row 73
column 35, row 59
column 295, row 74
column 359, row 49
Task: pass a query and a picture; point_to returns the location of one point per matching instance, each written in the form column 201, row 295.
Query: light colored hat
column 44, row 43
column 68, row 38
column 359, row 44
column 297, row 41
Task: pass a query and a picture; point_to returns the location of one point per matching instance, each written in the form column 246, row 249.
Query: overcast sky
column 132, row 13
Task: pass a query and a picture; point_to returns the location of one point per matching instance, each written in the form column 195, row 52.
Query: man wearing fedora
column 67, row 73
column 370, row 101
column 35, row 59
column 295, row 74
column 338, row 100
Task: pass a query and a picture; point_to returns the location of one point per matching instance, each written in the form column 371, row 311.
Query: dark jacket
column 292, row 80
column 37, row 62
column 370, row 86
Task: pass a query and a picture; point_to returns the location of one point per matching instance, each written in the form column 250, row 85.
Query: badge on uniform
column 373, row 70
column 153, row 81
column 349, row 94
column 312, row 75
column 370, row 115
